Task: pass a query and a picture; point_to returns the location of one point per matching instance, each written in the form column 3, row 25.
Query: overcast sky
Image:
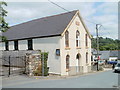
column 105, row 13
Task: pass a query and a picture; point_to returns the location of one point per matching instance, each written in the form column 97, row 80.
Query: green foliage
column 3, row 38
column 3, row 24
column 45, row 56
column 106, row 44
column 38, row 71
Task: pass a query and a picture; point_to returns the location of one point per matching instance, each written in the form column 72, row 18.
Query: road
column 105, row 79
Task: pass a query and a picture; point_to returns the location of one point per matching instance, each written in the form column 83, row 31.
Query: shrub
column 38, row 71
column 101, row 68
column 46, row 69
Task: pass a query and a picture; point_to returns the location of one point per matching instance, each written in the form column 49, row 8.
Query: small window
column 30, row 44
column 58, row 52
column 67, row 39
column 77, row 39
column 87, row 57
column 16, row 45
column 7, row 45
column 86, row 40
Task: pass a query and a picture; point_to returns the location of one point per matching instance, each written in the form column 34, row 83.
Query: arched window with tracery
column 67, row 39
column 77, row 39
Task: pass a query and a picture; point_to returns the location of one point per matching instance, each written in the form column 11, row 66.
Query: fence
column 14, row 62
column 23, row 62
column 13, row 65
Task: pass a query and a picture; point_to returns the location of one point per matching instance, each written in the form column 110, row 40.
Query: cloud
column 102, row 19
column 109, row 8
column 63, row 0
column 107, row 15
column 82, row 6
column 22, row 12
column 104, row 13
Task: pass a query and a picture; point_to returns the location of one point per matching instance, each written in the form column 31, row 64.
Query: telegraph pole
column 9, row 67
column 97, row 41
column 43, row 60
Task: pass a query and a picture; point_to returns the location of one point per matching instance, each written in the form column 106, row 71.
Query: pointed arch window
column 67, row 39
column 77, row 38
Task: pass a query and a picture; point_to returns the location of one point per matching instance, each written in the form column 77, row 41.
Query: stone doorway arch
column 67, row 63
column 78, row 57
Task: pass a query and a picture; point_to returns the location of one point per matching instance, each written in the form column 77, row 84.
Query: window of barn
column 30, row 44
column 7, row 45
column 16, row 45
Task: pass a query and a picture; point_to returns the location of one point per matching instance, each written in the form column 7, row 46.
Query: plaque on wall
column 77, row 23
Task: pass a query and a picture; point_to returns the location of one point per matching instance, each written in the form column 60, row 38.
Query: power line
column 89, row 21
column 58, row 5
column 69, row 11
column 107, row 31
column 81, row 17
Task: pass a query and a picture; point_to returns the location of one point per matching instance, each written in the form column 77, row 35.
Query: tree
column 106, row 44
column 3, row 24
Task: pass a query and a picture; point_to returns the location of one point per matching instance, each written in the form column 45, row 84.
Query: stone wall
column 16, row 57
column 33, row 66
column 29, row 60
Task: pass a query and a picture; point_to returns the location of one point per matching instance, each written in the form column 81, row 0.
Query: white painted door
column 77, row 65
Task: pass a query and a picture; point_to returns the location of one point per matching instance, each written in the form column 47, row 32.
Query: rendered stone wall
column 73, row 70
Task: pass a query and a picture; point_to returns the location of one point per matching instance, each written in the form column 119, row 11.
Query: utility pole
column 43, row 64
column 97, row 41
column 9, row 68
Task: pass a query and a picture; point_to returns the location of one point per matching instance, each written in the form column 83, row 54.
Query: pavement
column 54, row 76
column 102, row 79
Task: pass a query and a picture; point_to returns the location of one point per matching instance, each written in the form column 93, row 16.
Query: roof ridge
column 46, row 17
column 59, row 14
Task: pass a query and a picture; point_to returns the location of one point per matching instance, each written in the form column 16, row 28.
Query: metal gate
column 13, row 65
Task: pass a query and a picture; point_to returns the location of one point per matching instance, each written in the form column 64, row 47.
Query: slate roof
column 113, row 53
column 107, row 54
column 46, row 26
column 119, row 54
column 103, row 54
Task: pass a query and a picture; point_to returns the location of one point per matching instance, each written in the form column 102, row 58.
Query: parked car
column 117, row 68
column 112, row 62
column 101, row 62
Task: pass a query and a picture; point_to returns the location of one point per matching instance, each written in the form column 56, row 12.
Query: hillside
column 106, row 44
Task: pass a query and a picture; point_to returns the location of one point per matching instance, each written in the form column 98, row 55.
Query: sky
column 105, row 13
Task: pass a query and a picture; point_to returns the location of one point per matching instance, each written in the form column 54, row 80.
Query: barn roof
column 42, row 27
column 46, row 26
